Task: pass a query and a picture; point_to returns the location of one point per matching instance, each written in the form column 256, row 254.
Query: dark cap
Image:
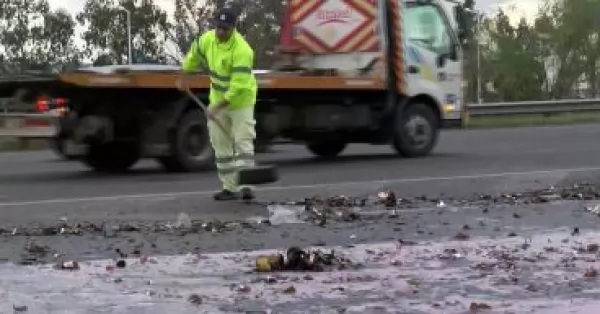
column 226, row 17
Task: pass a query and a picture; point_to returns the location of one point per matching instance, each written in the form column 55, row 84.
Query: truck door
column 433, row 44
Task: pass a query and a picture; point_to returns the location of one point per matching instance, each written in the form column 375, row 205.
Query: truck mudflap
column 452, row 123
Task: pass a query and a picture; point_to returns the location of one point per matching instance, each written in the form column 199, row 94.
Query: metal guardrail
column 534, row 107
column 27, row 125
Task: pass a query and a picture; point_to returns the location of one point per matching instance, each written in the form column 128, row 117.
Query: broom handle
column 205, row 111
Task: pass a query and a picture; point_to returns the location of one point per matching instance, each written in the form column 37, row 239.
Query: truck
column 382, row 72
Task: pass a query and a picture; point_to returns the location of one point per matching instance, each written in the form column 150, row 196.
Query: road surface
column 170, row 215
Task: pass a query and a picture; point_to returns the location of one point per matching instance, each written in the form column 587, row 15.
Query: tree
column 516, row 69
column 20, row 25
column 566, row 28
column 106, row 29
column 191, row 19
column 470, row 49
column 259, row 22
column 35, row 37
column 57, row 46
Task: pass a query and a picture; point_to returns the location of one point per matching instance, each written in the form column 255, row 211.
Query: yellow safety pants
column 239, row 125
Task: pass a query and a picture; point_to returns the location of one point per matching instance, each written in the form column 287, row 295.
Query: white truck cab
column 433, row 53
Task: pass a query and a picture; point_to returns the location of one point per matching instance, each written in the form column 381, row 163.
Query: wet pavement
column 532, row 252
column 509, row 259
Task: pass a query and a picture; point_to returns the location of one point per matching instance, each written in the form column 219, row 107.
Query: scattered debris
column 479, row 306
column 290, row 290
column 68, row 265
column 242, row 288
column 121, row 264
column 34, row 248
column 121, row 254
column 183, row 221
column 296, row 259
column 388, row 199
column 270, row 263
column 319, row 210
column 461, row 236
column 594, row 210
column 195, row 299
column 591, row 273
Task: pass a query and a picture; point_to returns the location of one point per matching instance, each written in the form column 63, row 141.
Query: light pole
column 478, row 51
column 479, row 93
column 129, row 41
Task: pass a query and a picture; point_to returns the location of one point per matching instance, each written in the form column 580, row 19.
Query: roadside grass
column 9, row 144
column 534, row 120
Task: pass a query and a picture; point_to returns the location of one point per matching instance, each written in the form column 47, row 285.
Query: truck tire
column 112, row 157
column 57, row 146
column 327, row 149
column 190, row 146
column 416, row 130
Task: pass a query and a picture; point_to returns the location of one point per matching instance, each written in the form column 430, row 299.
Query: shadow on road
column 151, row 171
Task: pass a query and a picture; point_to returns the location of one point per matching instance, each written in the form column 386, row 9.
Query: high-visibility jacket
column 230, row 64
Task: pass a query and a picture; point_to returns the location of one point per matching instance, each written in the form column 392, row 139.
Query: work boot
column 225, row 195
column 247, row 194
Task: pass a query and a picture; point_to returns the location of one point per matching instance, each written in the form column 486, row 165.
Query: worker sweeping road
column 229, row 58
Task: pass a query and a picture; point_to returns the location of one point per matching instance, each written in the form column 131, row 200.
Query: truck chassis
column 112, row 128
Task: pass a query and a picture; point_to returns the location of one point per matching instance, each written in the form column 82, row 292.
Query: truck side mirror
column 461, row 20
column 441, row 60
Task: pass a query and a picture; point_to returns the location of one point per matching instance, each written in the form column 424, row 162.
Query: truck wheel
column 112, row 157
column 416, row 131
column 190, row 146
column 57, row 146
column 327, row 149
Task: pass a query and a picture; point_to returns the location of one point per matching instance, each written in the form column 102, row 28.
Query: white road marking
column 293, row 187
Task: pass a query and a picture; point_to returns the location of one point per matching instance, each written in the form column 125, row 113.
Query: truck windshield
column 425, row 25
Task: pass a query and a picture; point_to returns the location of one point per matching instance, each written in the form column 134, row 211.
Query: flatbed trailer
column 117, row 115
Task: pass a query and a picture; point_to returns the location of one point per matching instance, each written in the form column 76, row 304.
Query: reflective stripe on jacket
column 230, row 64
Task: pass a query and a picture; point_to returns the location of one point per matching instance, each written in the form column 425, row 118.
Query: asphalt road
column 463, row 163
column 38, row 190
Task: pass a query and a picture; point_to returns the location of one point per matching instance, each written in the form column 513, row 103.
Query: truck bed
column 164, row 77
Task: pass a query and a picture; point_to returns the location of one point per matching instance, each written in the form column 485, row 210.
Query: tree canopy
column 554, row 55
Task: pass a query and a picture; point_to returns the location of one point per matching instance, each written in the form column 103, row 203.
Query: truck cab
column 434, row 56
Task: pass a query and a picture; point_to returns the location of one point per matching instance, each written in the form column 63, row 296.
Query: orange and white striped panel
column 398, row 44
column 335, row 26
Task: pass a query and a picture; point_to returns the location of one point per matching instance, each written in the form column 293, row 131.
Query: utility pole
column 129, row 40
column 477, row 40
